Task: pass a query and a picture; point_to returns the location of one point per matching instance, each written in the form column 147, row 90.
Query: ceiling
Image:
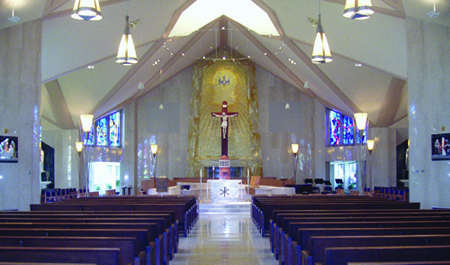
column 378, row 86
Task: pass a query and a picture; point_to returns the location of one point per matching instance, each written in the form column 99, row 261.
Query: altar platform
column 222, row 192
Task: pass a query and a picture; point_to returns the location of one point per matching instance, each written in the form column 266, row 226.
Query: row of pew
column 122, row 230
column 52, row 195
column 350, row 229
column 391, row 193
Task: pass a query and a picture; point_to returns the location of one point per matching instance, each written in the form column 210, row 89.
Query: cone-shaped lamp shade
column 294, row 148
column 370, row 144
column 127, row 53
column 79, row 146
column 154, row 148
column 358, row 9
column 86, row 122
column 86, row 10
column 321, row 50
column 361, row 119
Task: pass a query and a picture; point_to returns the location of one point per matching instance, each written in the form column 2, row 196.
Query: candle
column 200, row 173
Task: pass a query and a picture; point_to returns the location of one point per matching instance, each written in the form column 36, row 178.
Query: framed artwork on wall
column 9, row 146
column 440, row 146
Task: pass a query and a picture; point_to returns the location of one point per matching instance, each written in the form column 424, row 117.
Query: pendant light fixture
column 86, row 10
column 358, row 9
column 127, row 52
column 321, row 50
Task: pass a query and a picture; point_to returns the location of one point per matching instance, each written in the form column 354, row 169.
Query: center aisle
column 224, row 235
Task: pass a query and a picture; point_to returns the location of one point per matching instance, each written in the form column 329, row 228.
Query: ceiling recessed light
column 358, row 65
column 90, row 67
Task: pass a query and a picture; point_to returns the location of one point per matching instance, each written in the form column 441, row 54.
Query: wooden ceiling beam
column 300, row 84
column 59, row 106
column 272, row 15
column 391, row 103
column 149, row 84
column 52, row 5
column 396, row 4
column 143, row 60
column 307, row 60
column 176, row 15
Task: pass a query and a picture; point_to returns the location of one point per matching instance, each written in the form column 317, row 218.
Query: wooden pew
column 141, row 236
column 33, row 263
column 400, row 263
column 99, row 256
column 342, row 256
column 317, row 245
column 283, row 236
column 264, row 214
column 283, row 219
column 170, row 216
column 152, row 237
column 184, row 219
column 287, row 245
column 165, row 234
column 173, row 242
column 127, row 245
column 305, row 234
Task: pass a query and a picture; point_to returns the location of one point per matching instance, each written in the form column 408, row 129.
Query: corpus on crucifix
column 224, row 115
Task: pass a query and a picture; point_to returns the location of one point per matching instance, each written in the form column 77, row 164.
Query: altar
column 225, row 190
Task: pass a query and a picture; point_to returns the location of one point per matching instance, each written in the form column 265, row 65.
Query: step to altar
column 230, row 207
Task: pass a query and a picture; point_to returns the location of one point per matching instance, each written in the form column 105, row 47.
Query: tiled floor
column 224, row 238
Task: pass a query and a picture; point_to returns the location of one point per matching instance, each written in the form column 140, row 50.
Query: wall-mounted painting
column 440, row 146
column 9, row 146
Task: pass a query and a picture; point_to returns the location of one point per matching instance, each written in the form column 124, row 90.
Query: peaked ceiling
column 69, row 46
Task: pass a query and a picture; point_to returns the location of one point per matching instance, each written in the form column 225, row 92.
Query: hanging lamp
column 127, row 52
column 358, row 9
column 86, row 10
column 321, row 50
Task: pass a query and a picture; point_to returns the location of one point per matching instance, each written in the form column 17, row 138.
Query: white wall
column 429, row 108
column 20, row 87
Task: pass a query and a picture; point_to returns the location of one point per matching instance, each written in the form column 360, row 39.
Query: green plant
column 351, row 186
column 108, row 186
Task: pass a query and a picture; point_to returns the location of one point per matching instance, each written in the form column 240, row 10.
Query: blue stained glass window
column 361, row 136
column 348, row 129
column 102, row 132
column 88, row 138
column 114, row 129
column 335, row 128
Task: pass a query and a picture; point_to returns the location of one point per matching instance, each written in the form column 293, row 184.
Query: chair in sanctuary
column 254, row 181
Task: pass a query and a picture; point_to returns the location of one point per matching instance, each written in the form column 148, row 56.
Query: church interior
column 224, row 128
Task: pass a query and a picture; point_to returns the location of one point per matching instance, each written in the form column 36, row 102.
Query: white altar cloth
column 225, row 190
column 270, row 190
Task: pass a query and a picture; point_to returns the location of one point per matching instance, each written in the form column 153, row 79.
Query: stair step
column 224, row 207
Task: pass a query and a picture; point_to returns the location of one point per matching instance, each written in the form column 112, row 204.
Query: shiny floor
column 224, row 238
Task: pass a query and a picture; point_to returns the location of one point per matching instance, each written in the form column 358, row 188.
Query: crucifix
column 224, row 115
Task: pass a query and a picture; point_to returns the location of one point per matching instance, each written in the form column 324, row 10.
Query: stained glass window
column 335, row 128
column 361, row 136
column 114, row 129
column 102, row 131
column 88, row 138
column 348, row 129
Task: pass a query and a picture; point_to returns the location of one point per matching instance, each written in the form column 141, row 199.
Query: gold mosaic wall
column 213, row 83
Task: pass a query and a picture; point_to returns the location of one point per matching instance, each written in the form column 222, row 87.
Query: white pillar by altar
column 225, row 190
